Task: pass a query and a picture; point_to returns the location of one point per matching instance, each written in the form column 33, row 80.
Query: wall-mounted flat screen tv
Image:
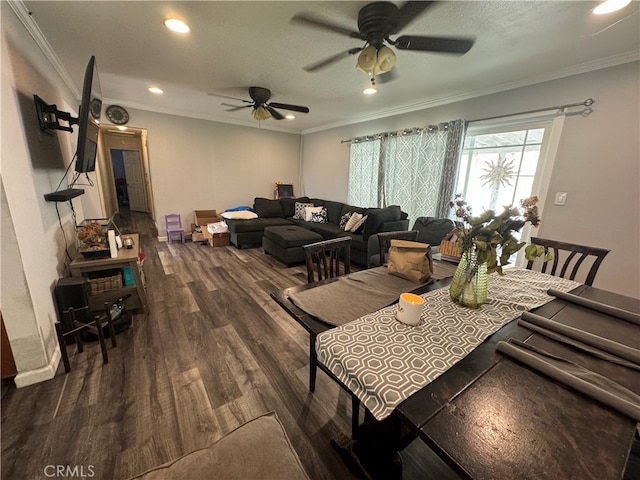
column 90, row 109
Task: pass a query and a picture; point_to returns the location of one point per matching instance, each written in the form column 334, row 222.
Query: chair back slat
column 572, row 256
column 323, row 258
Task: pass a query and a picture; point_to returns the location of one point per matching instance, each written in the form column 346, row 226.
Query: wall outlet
column 561, row 198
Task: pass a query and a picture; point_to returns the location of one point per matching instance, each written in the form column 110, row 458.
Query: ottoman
column 285, row 242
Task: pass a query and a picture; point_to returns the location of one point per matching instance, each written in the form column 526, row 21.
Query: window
column 498, row 169
column 503, row 163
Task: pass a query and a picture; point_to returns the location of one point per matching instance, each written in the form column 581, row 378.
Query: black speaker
column 73, row 292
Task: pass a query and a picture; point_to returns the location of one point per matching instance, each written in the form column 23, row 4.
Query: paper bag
column 410, row 260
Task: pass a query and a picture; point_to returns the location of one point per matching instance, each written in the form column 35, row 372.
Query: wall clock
column 117, row 115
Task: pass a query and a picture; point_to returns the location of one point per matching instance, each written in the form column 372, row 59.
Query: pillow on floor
column 259, row 449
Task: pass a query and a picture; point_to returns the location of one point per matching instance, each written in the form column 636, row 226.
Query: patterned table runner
column 384, row 361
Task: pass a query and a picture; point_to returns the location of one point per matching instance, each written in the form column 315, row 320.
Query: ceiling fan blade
column 274, row 113
column 286, row 106
column 227, row 96
column 434, row 44
column 409, row 11
column 329, row 60
column 311, row 20
column 234, row 107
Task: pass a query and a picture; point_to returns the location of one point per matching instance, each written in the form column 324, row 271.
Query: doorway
column 127, row 182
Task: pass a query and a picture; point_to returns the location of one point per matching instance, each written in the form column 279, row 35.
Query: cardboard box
column 217, row 239
column 204, row 217
column 220, row 239
column 197, row 236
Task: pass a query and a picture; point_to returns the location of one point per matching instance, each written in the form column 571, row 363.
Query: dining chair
column 569, row 257
column 173, row 223
column 323, row 258
column 384, row 240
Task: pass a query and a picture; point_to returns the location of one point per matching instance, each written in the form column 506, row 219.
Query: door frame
column 130, row 139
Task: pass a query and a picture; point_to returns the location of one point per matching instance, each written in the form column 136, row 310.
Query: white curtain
column 415, row 169
column 364, row 172
column 412, row 165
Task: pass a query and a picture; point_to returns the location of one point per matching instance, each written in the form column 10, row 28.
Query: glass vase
column 469, row 285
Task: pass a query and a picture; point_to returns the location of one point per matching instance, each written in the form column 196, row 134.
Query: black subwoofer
column 72, row 292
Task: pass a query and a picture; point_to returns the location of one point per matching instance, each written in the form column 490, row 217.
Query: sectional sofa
column 281, row 212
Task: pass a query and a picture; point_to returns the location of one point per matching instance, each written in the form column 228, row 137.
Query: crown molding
column 24, row 15
column 264, row 125
column 612, row 61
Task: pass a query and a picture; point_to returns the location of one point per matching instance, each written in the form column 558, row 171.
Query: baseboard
column 31, row 377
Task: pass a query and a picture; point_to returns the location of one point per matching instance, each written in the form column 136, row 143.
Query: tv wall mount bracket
column 49, row 117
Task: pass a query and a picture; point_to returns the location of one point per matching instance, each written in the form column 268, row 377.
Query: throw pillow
column 355, row 218
column 299, row 210
column 241, row 214
column 319, row 217
column 359, row 226
column 309, row 211
column 344, row 219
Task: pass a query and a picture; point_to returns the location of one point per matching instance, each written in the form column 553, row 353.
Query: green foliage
column 489, row 233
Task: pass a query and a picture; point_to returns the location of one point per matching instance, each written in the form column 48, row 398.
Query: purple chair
column 173, row 223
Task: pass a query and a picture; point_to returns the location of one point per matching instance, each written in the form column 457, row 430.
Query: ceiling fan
column 376, row 23
column 262, row 108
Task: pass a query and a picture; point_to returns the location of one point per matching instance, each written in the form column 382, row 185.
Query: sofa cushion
column 378, row 216
column 350, row 208
column 309, row 211
column 327, row 230
column 319, row 217
column 299, row 213
column 255, row 224
column 266, row 208
column 334, row 211
column 258, row 449
column 289, row 205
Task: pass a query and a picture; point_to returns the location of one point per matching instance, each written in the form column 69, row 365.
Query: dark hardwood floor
column 213, row 352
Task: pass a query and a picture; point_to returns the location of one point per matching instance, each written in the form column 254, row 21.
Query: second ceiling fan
column 262, row 108
column 376, row 23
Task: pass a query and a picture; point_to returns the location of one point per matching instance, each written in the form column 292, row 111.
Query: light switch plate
column 561, row 198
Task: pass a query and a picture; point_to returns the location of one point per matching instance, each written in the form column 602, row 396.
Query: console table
column 127, row 257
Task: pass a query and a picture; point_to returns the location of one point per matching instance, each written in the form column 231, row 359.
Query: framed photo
column 284, row 190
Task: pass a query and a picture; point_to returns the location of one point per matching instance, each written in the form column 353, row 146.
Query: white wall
column 204, row 165
column 33, row 163
column 598, row 162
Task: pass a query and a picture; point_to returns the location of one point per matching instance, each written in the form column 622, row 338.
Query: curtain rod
column 584, row 112
column 405, row 131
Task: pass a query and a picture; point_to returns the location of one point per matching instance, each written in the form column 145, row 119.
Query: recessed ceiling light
column 370, row 90
column 176, row 25
column 610, row 6
column 156, row 90
column 289, row 116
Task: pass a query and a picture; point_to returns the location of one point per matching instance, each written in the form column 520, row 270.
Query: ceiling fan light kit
column 374, row 61
column 262, row 108
column 377, row 21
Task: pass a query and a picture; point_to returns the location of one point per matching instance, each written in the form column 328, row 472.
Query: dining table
column 543, row 381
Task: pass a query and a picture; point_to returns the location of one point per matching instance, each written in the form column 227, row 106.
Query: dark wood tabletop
column 491, row 417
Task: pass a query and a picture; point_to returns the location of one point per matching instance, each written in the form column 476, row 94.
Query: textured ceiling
column 234, row 45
